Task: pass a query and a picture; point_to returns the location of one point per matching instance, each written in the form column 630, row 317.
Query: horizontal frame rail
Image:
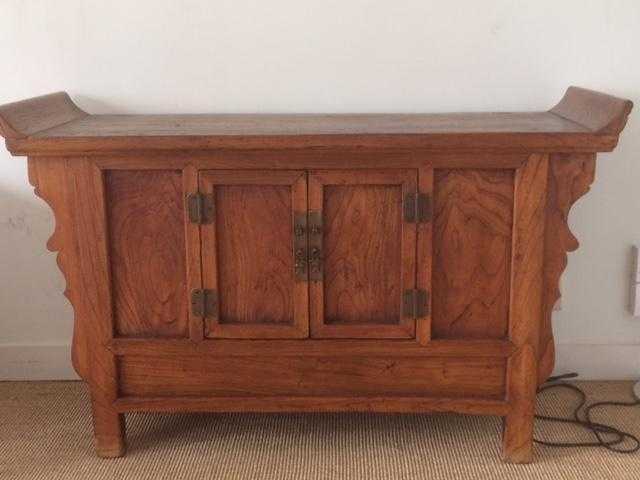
column 311, row 347
column 471, row 406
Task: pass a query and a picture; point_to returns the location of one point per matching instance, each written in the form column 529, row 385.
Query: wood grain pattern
column 363, row 228
column 368, row 253
column 324, row 159
column 254, row 251
column 473, row 216
column 312, row 348
column 570, row 177
column 147, row 252
column 277, row 125
column 249, row 254
column 313, row 376
column 525, row 308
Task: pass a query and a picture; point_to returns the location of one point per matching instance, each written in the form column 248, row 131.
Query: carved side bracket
column 570, row 177
column 51, row 183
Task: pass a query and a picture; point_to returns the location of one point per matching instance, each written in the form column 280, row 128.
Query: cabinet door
column 362, row 253
column 248, row 254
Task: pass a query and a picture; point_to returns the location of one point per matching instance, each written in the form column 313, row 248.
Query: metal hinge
column 417, row 208
column 200, row 207
column 204, row 303
column 415, row 303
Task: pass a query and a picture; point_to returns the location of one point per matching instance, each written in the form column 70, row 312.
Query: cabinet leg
column 517, row 438
column 108, row 431
column 517, row 434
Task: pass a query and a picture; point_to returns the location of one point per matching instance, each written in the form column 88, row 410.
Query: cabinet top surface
column 583, row 121
column 309, row 124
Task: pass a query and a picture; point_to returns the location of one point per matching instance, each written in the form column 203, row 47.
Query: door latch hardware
column 315, row 261
column 204, row 303
column 417, row 208
column 300, row 262
column 200, row 208
column 315, row 245
column 415, row 303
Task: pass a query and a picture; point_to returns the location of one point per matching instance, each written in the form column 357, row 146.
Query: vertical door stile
column 424, row 253
column 301, row 285
column 316, row 287
column 208, row 256
column 408, row 257
column 193, row 251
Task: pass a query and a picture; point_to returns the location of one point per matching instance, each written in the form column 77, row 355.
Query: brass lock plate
column 315, row 246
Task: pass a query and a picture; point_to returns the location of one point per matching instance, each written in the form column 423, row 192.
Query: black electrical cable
column 606, row 436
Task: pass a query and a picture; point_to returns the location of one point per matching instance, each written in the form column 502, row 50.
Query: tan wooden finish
column 379, row 263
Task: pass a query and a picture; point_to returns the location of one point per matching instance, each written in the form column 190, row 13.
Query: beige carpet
column 45, row 433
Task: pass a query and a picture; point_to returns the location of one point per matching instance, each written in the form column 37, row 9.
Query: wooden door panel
column 362, row 258
column 368, row 253
column 247, row 252
column 254, row 261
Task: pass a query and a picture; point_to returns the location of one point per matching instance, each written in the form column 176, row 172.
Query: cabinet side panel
column 147, row 247
column 473, row 218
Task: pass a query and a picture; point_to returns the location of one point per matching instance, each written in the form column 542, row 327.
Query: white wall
column 325, row 56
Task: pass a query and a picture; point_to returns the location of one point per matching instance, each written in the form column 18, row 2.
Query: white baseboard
column 592, row 362
column 36, row 362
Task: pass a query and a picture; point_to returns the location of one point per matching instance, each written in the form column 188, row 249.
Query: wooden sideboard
column 313, row 263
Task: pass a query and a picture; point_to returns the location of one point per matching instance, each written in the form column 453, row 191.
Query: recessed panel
column 362, row 259
column 242, row 376
column 473, row 221
column 254, row 253
column 145, row 214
